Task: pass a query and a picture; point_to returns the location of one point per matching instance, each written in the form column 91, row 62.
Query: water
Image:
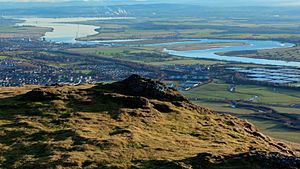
column 66, row 32
column 251, row 45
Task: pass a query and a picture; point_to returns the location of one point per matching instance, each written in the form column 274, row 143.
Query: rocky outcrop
column 40, row 95
column 136, row 85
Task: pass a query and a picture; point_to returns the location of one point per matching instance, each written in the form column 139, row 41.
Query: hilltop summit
column 134, row 123
column 138, row 86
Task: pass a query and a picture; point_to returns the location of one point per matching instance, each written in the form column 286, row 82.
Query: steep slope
column 135, row 123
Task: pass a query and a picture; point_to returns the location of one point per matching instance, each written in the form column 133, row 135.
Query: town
column 26, row 62
column 35, row 61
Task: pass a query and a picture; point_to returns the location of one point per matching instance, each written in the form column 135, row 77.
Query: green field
column 276, row 130
column 145, row 55
column 193, row 27
column 3, row 57
column 288, row 54
column 268, row 127
column 22, row 32
column 267, row 95
column 218, row 90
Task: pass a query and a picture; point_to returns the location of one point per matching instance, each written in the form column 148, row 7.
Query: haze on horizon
column 218, row 3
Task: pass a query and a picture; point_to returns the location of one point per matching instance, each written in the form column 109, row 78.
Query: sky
column 200, row 2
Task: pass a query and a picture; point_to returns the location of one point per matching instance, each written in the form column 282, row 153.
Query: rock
column 162, row 108
column 136, row 85
column 39, row 95
column 132, row 102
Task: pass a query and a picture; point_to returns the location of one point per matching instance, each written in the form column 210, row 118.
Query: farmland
column 289, row 54
column 145, row 55
column 187, row 27
column 217, row 96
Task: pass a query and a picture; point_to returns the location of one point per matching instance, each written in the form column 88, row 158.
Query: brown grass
column 93, row 126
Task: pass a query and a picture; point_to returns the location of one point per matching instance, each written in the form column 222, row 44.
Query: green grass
column 267, row 95
column 275, row 130
column 218, row 90
column 13, row 31
column 3, row 57
column 145, row 55
column 288, row 54
column 186, row 61
column 194, row 28
column 132, row 33
column 269, row 127
column 223, row 107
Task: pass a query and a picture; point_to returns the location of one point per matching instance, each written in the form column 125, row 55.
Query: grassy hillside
column 135, row 123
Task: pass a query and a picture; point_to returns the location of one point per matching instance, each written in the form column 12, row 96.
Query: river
column 65, row 29
column 67, row 32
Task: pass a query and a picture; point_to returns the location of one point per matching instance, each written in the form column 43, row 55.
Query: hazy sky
column 203, row 2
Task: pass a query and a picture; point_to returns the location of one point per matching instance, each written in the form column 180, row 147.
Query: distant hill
column 135, row 123
column 158, row 9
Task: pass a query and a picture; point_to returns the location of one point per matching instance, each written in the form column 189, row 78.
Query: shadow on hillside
column 248, row 160
column 25, row 122
column 40, row 103
column 41, row 145
column 23, row 133
column 101, row 100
